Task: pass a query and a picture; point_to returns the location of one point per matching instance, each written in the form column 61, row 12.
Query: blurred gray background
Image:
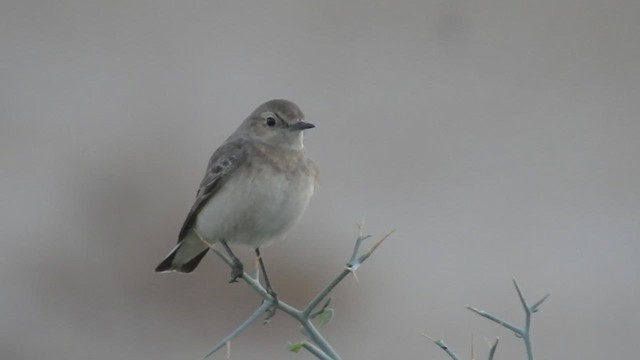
column 499, row 138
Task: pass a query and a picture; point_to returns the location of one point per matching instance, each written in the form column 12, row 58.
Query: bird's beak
column 301, row 125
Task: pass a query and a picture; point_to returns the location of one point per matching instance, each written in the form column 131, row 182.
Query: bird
column 257, row 185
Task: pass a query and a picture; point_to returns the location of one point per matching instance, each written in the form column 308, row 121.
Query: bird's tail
column 185, row 256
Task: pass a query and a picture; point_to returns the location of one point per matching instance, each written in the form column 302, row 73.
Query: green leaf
column 296, row 347
column 324, row 317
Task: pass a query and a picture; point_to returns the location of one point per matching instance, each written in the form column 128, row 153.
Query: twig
column 495, row 319
column 493, row 348
column 264, row 307
column 318, row 346
column 315, row 351
column 525, row 331
column 443, row 346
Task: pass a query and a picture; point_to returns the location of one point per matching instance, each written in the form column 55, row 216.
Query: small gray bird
column 257, row 185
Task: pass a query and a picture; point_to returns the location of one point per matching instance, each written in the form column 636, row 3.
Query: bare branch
column 535, row 306
column 261, row 310
column 495, row 319
column 492, row 352
column 317, row 344
column 443, row 346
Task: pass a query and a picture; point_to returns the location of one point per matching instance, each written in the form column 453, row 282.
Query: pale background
column 500, row 139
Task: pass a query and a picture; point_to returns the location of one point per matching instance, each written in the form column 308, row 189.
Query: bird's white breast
column 258, row 204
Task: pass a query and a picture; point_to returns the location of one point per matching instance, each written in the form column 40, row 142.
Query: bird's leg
column 270, row 291
column 237, row 268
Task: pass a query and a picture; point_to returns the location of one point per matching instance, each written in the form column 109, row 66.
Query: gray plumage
column 257, row 185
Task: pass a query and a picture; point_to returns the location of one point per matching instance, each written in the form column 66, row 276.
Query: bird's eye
column 271, row 121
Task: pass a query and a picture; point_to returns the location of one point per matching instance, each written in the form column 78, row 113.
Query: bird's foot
column 237, row 270
column 271, row 312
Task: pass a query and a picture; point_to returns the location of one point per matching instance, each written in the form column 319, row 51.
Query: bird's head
column 278, row 123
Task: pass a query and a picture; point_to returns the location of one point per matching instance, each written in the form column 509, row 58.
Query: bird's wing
column 223, row 162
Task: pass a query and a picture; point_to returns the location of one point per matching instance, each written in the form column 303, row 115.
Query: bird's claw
column 271, row 311
column 236, row 272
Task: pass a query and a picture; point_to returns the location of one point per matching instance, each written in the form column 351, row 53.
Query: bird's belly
column 254, row 209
